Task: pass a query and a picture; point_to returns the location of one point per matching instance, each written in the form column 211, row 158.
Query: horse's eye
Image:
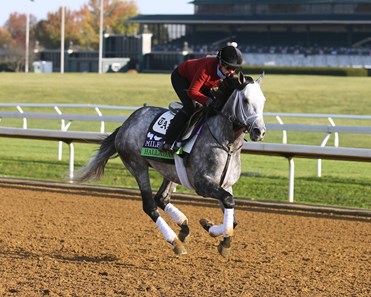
column 246, row 100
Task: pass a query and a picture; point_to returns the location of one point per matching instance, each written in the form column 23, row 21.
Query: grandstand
column 274, row 32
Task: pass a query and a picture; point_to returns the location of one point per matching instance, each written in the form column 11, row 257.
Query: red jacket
column 202, row 75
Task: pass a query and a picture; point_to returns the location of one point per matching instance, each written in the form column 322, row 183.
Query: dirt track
column 58, row 242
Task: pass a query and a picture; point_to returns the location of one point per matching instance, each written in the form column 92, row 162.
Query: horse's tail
column 94, row 170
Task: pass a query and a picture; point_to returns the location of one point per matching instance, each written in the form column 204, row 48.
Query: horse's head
column 245, row 107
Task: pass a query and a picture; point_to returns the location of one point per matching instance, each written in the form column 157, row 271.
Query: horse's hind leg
column 162, row 199
column 140, row 171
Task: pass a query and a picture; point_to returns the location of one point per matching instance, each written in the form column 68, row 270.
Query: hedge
column 307, row 70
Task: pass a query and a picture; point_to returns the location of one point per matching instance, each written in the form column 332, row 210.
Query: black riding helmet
column 230, row 56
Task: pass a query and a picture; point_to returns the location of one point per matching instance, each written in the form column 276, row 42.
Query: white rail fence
column 328, row 130
column 66, row 119
column 289, row 151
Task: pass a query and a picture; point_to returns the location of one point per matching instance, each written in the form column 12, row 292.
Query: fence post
column 72, row 159
column 291, row 179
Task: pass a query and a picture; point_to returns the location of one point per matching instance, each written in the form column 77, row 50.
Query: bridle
column 247, row 128
column 236, row 125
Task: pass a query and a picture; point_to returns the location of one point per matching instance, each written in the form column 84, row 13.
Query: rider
column 192, row 81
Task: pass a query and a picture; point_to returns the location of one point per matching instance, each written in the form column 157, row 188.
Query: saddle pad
column 155, row 134
column 154, row 137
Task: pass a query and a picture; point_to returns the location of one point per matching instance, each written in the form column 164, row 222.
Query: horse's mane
column 226, row 88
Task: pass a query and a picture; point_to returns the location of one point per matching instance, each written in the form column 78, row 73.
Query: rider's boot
column 175, row 128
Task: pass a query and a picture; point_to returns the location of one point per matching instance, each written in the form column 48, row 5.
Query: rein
column 227, row 148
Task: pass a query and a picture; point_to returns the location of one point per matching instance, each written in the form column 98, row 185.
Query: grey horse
column 212, row 167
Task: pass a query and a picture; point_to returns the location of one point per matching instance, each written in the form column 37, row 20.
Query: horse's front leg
column 230, row 190
column 211, row 189
column 162, row 199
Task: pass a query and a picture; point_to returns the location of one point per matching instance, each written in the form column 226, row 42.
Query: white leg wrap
column 216, row 230
column 168, row 233
column 175, row 214
column 228, row 222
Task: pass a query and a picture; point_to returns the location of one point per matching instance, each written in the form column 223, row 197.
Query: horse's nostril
column 256, row 131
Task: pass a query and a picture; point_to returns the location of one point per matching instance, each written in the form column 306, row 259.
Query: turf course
column 263, row 177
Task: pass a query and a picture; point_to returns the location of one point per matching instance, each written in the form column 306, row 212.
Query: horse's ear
column 260, row 79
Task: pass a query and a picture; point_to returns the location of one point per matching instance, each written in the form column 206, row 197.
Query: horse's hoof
column 184, row 233
column 206, row 224
column 223, row 250
column 224, row 247
column 178, row 247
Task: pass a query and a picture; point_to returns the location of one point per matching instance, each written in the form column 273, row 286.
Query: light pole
column 62, row 36
column 27, row 37
column 100, row 60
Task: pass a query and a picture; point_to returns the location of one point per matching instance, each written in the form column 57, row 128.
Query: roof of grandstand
column 268, row 11
column 251, row 19
column 219, row 2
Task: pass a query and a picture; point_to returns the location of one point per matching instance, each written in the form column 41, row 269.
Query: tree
column 116, row 12
column 88, row 32
column 48, row 32
column 6, row 39
column 82, row 27
column 6, row 44
column 15, row 27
